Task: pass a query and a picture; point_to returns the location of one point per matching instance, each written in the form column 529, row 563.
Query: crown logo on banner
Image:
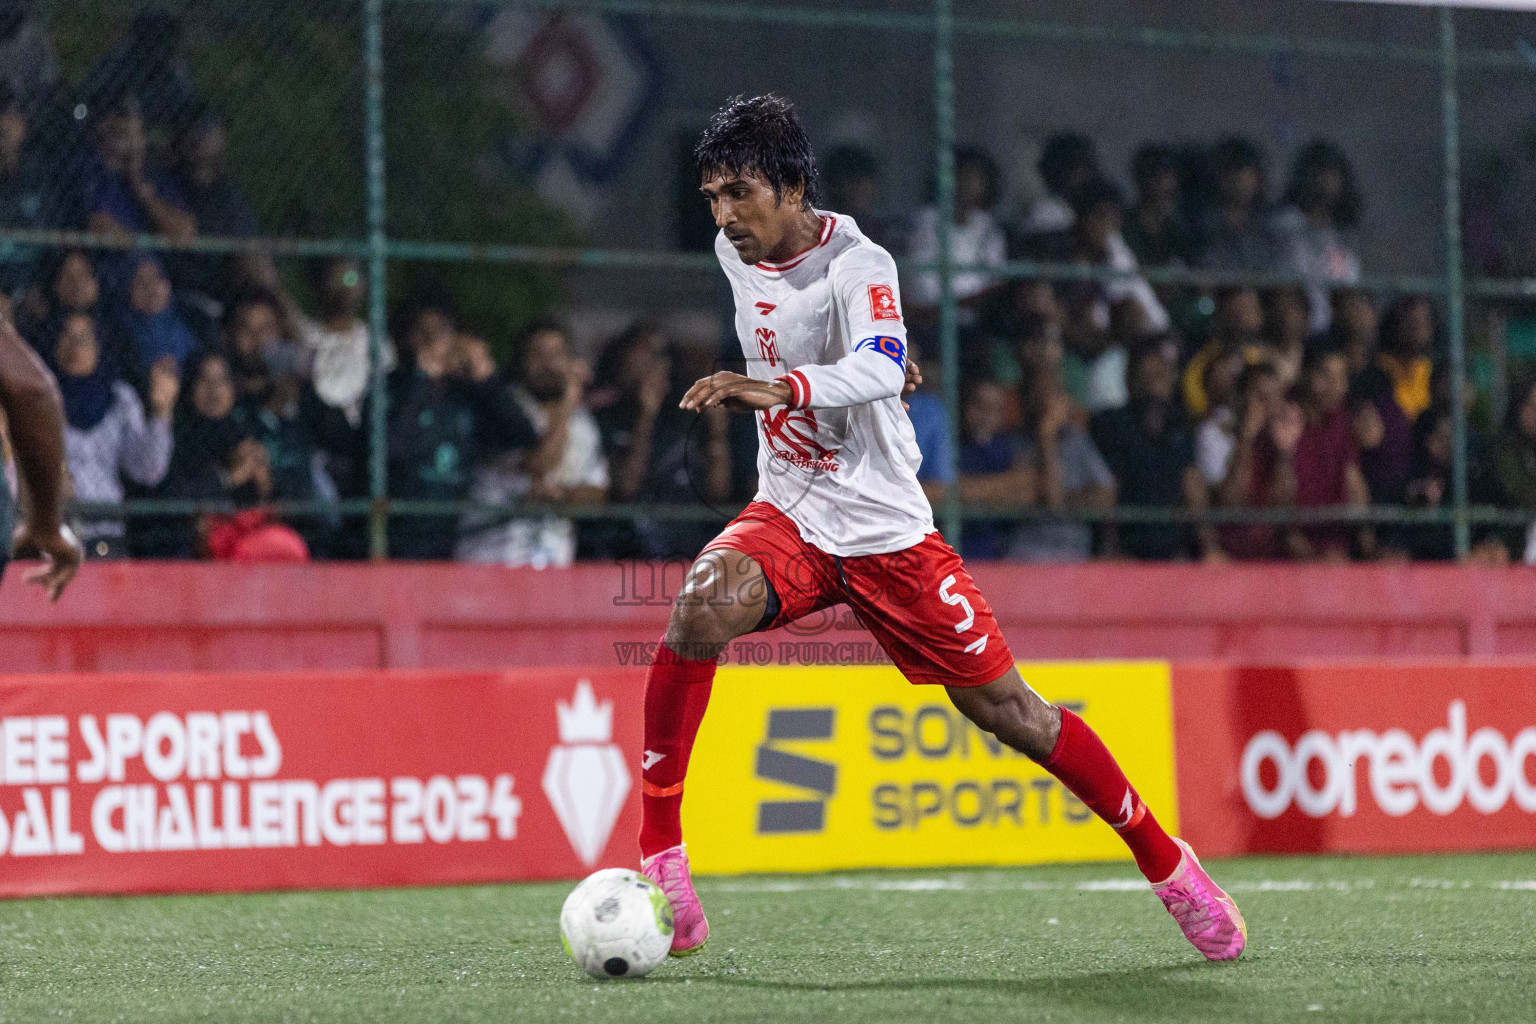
column 585, row 778
column 584, row 720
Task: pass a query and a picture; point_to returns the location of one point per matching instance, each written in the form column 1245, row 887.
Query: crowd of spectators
column 208, row 378
column 1086, row 394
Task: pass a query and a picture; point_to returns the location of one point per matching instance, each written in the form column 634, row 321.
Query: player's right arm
column 35, row 414
column 868, row 299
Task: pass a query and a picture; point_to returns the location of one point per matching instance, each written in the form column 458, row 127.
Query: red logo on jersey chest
column 882, row 303
column 791, row 436
column 767, row 347
column 766, row 307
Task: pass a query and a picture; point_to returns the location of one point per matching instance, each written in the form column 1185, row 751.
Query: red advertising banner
column 227, row 782
column 1356, row 758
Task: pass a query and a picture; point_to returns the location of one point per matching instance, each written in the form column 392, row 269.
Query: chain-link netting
column 189, row 198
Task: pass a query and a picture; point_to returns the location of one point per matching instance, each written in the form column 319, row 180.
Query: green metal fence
column 353, row 115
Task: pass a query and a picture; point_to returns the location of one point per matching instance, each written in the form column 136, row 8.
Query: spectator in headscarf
column 151, row 325
column 254, row 340
column 67, row 283
column 107, row 435
column 214, row 459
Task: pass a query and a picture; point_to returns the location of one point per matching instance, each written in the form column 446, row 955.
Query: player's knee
column 695, row 630
column 700, row 618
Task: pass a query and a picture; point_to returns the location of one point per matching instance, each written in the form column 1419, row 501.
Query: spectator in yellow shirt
column 1407, row 338
column 1238, row 325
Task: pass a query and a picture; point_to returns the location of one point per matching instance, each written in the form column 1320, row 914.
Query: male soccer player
column 841, row 518
column 34, row 414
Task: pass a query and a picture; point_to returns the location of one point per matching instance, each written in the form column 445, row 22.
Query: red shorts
column 919, row 603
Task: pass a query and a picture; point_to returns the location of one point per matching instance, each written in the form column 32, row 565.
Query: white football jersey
column 841, row 459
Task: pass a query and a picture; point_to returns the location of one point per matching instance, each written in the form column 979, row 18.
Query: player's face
column 755, row 221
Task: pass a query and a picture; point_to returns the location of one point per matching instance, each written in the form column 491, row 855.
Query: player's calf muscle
column 722, row 598
column 1012, row 712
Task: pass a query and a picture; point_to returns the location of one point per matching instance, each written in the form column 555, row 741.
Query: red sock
column 676, row 694
column 1085, row 766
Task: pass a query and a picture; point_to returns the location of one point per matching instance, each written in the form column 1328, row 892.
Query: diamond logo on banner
column 586, row 780
column 585, row 85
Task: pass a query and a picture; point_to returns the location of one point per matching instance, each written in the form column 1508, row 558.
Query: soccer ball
column 617, row 924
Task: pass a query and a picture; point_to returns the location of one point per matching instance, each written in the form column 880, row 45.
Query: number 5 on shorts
column 977, row 646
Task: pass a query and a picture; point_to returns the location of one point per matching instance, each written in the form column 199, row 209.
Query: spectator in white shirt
column 1067, row 162
column 976, row 238
column 107, row 435
column 1256, row 395
column 1227, row 380
column 1315, row 228
column 1097, row 241
column 336, row 339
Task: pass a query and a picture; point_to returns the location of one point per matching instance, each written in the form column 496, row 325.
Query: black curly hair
column 1320, row 155
column 761, row 135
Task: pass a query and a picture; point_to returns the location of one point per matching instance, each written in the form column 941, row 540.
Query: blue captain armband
column 886, row 345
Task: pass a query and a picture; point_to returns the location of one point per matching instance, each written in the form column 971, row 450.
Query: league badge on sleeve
column 882, row 303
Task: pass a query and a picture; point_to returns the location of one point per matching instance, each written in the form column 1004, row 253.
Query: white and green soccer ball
column 617, row 924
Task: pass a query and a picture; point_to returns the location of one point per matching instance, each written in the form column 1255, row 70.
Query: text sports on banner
column 185, row 783
column 811, row 769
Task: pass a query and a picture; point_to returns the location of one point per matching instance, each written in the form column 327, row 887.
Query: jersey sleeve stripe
column 795, row 394
column 805, row 388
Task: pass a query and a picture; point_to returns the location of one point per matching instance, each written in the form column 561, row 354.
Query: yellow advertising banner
column 818, row 768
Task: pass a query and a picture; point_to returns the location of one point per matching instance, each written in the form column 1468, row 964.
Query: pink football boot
column 669, row 870
column 1208, row 916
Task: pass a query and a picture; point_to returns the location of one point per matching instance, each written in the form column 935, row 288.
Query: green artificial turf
column 1408, row 939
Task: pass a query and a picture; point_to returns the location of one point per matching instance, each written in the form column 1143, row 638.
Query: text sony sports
column 852, row 768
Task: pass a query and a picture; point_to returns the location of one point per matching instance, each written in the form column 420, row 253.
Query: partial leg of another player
column 1064, row 745
column 723, row 597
